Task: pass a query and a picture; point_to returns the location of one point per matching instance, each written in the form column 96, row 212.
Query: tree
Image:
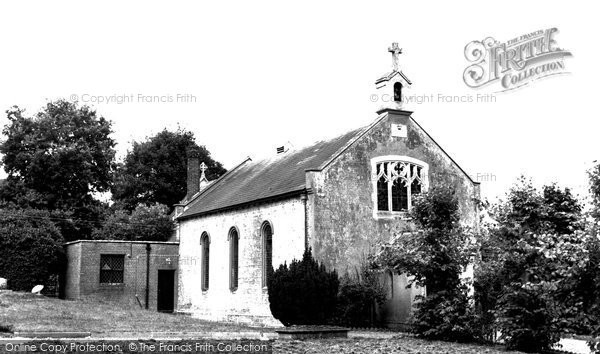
column 31, row 247
column 562, row 210
column 145, row 223
column 589, row 284
column 154, row 171
column 57, row 160
column 527, row 209
column 435, row 251
column 594, row 176
column 530, row 265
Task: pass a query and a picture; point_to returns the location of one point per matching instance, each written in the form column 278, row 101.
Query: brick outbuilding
column 136, row 273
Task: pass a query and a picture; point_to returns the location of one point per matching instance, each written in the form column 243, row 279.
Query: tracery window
column 397, row 182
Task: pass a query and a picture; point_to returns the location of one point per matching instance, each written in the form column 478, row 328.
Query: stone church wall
column 345, row 229
column 249, row 303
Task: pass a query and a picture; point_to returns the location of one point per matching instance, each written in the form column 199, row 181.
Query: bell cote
column 391, row 87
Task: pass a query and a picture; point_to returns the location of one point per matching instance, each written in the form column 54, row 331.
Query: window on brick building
column 233, row 258
column 111, row 268
column 205, row 260
column 397, row 180
column 267, row 251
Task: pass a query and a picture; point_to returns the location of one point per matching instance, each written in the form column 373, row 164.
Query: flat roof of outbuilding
column 123, row 241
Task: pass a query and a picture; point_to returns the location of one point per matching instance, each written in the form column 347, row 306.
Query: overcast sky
column 264, row 73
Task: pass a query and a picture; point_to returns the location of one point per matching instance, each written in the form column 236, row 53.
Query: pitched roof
column 281, row 175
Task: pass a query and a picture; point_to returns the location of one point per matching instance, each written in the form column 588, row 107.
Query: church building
column 340, row 197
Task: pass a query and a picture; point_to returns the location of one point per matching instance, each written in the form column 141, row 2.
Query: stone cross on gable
column 203, row 168
column 203, row 180
column 396, row 51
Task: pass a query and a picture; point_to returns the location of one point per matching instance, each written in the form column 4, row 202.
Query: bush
column 445, row 315
column 31, row 247
column 527, row 319
column 358, row 297
column 534, row 280
column 304, row 293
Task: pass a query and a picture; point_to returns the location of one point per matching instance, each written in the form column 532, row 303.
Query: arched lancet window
column 205, row 243
column 398, row 92
column 382, row 187
column 416, row 186
column 399, row 190
column 267, row 251
column 233, row 258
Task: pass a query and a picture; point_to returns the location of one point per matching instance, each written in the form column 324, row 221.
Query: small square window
column 111, row 268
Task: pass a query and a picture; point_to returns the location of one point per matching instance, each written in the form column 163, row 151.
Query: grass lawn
column 25, row 312
column 396, row 344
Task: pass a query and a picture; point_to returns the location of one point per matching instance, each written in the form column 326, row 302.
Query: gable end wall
column 343, row 227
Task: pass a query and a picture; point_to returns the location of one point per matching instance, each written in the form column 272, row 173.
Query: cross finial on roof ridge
column 203, row 168
column 396, row 51
column 203, row 180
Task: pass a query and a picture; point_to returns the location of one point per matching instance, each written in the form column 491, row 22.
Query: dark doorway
column 166, row 290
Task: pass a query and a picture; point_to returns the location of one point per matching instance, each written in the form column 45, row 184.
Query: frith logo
column 515, row 63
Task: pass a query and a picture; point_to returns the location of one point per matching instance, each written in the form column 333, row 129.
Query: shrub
column 358, row 297
column 31, row 247
column 4, row 328
column 445, row 315
column 527, row 319
column 304, row 293
column 537, row 301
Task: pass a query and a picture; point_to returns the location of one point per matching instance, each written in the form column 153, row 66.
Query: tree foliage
column 589, row 284
column 530, row 265
column 594, row 177
column 436, row 249
column 435, row 252
column 155, row 170
column 31, row 247
column 358, row 295
column 144, row 223
column 57, row 160
column 446, row 315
